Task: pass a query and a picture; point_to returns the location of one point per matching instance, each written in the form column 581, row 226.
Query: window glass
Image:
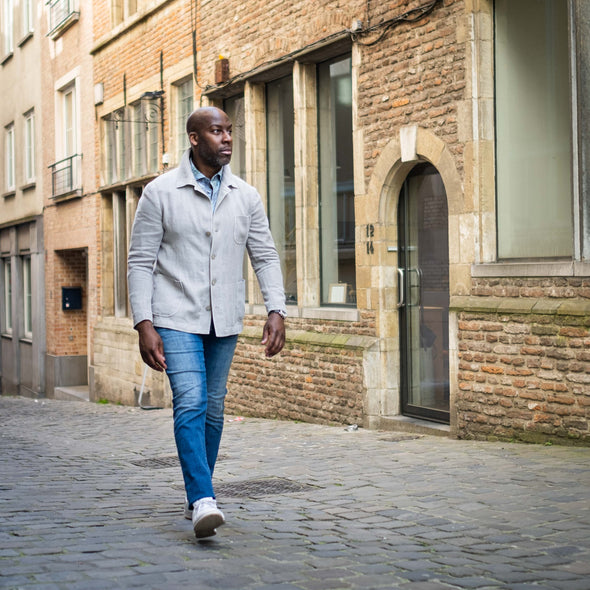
column 29, row 147
column 8, row 25
column 120, row 254
column 69, row 107
column 184, row 108
column 138, row 140
column 234, row 107
column 27, row 16
column 9, row 158
column 336, row 182
column 153, row 131
column 533, row 129
column 7, row 296
column 27, row 291
column 281, row 177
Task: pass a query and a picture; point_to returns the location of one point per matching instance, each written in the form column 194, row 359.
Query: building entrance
column 423, row 275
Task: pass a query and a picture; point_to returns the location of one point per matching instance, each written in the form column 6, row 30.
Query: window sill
column 570, row 268
column 6, row 58
column 75, row 194
column 58, row 31
column 9, row 194
column 29, row 186
column 344, row 314
column 28, row 36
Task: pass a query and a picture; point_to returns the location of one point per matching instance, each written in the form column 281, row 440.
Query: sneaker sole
column 205, row 526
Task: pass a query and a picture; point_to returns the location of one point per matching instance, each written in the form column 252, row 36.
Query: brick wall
column 317, row 378
column 524, row 366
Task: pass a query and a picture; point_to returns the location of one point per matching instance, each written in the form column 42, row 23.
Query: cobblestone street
column 91, row 497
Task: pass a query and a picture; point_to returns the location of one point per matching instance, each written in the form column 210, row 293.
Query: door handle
column 418, row 272
column 401, row 287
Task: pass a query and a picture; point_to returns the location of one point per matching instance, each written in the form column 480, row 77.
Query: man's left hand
column 273, row 334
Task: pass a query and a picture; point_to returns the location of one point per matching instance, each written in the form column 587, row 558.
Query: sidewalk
column 91, row 497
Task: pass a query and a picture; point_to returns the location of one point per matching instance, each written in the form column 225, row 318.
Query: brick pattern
column 308, row 382
column 524, row 377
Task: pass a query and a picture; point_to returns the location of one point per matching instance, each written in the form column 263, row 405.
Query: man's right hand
column 150, row 346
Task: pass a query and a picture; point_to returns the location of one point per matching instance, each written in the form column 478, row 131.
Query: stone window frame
column 303, row 69
column 480, row 140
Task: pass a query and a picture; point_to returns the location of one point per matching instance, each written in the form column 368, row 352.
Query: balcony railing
column 65, row 176
column 61, row 13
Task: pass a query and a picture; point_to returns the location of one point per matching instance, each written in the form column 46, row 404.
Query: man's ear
column 192, row 136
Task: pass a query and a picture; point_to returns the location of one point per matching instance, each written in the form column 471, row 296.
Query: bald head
column 202, row 117
column 209, row 131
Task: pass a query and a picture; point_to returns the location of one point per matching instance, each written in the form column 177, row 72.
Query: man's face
column 212, row 142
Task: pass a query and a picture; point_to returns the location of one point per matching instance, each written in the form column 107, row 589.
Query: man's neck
column 203, row 169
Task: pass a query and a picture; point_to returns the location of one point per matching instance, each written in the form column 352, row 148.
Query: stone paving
column 91, row 498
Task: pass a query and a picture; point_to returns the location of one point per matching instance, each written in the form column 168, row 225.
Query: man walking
column 192, row 227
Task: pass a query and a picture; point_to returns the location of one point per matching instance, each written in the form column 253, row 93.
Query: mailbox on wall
column 71, row 298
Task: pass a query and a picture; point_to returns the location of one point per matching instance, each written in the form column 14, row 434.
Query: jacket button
column 212, row 256
column 213, row 281
column 208, row 308
column 208, row 233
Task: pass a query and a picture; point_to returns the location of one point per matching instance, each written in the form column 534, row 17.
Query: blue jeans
column 198, row 367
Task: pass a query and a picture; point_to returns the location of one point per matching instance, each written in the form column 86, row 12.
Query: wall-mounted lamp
column 98, row 94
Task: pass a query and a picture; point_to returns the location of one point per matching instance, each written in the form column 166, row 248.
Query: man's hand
column 273, row 334
column 150, row 346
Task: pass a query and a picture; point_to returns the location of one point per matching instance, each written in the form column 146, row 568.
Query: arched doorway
column 423, row 294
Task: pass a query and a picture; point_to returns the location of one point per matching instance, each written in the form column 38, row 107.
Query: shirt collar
column 200, row 176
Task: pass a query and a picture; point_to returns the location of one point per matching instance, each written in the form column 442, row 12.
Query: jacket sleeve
column 146, row 237
column 265, row 258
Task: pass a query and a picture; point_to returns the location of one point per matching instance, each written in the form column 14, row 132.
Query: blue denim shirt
column 209, row 187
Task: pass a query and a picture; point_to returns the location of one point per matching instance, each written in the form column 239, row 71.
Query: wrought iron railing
column 65, row 176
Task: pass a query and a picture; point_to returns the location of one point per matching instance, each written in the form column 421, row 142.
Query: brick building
column 71, row 216
column 424, row 166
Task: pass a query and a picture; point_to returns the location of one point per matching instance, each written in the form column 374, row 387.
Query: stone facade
column 422, row 92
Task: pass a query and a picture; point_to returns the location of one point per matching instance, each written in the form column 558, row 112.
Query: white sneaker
column 188, row 512
column 206, row 517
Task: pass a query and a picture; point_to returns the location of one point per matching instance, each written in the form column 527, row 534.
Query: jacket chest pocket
column 241, row 227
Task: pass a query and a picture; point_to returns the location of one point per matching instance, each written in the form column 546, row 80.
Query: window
column 29, row 146
column 27, row 16
column 140, row 164
column 115, row 147
column 184, row 107
column 8, row 26
column 120, row 254
column 28, row 298
column 234, row 107
column 122, row 10
column 69, row 121
column 9, row 165
column 62, row 14
column 534, row 156
column 7, row 296
column 66, row 172
column 338, row 282
column 280, row 123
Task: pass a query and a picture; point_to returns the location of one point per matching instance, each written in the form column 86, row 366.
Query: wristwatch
column 282, row 313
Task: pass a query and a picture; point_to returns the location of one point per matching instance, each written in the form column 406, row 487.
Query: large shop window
column 234, row 107
column 280, row 122
column 534, row 159
column 7, row 307
column 336, row 182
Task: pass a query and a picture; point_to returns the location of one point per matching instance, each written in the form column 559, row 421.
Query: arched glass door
column 423, row 269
